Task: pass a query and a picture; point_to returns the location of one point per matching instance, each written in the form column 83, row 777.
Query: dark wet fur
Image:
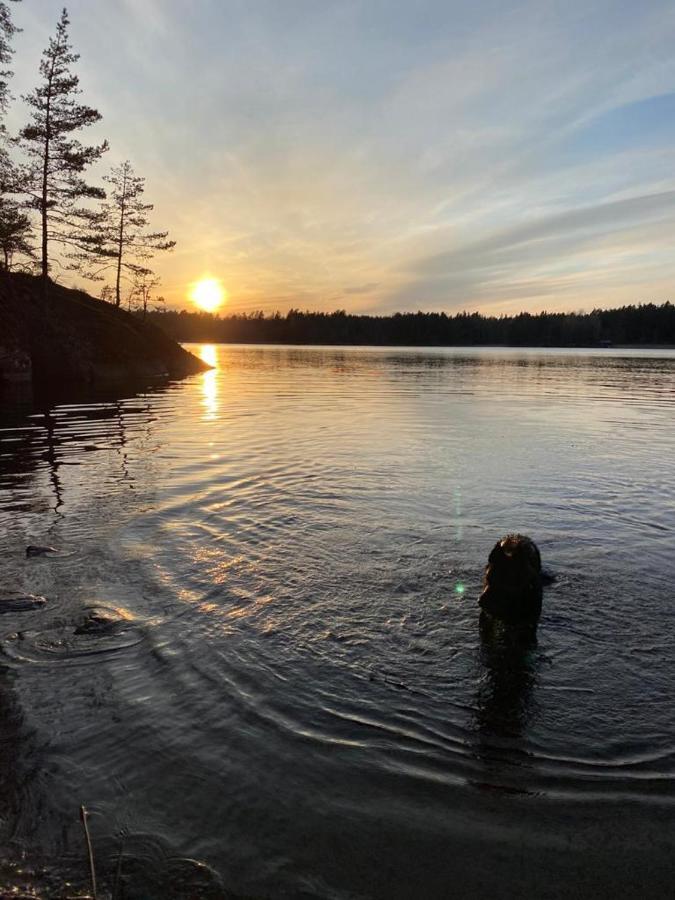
column 512, row 588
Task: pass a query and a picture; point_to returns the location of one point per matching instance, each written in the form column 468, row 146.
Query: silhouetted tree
column 121, row 240
column 644, row 324
column 15, row 226
column 107, row 294
column 7, row 31
column 145, row 283
column 15, row 233
column 52, row 178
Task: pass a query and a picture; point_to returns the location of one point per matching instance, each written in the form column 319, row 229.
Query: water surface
column 293, row 698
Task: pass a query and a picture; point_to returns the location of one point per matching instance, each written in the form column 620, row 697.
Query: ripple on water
column 281, row 675
column 98, row 631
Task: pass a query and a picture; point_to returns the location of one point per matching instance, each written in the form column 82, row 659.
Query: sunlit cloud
column 563, row 254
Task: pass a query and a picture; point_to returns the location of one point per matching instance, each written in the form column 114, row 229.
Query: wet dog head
column 512, row 585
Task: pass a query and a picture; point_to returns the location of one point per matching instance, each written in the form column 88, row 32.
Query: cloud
column 435, row 153
column 579, row 225
column 545, row 257
column 361, row 288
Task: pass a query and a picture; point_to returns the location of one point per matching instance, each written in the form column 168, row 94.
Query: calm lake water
column 295, row 701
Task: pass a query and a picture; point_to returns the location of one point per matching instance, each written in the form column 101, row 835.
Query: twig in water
column 90, row 852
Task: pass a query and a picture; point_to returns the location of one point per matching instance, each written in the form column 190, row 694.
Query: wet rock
column 21, row 603
column 98, row 620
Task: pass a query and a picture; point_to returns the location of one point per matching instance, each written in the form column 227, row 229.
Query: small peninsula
column 72, row 337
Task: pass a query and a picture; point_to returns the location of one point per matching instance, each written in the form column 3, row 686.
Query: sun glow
column 208, row 294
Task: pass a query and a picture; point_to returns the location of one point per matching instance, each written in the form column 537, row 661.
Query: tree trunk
column 120, row 242
column 118, row 297
column 43, row 216
column 45, row 192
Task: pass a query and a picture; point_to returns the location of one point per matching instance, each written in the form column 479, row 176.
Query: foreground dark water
column 295, row 700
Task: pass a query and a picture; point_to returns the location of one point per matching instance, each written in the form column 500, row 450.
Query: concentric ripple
column 259, row 666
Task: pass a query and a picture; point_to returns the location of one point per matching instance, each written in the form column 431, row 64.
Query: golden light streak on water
column 208, row 353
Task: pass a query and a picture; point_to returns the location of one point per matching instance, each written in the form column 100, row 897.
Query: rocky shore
column 73, row 337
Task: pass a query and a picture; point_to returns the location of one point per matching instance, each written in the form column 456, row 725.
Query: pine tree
column 145, row 283
column 122, row 241
column 15, row 226
column 15, row 233
column 52, row 177
column 7, row 31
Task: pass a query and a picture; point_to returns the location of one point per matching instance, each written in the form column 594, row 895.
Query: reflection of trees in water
column 123, row 439
column 51, row 456
column 49, row 437
column 47, row 465
column 19, row 450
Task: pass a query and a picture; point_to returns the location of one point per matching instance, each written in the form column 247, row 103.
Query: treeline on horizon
column 642, row 324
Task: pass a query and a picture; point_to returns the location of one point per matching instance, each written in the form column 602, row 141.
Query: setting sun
column 208, row 294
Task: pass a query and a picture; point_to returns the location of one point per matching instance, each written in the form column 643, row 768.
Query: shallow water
column 288, row 695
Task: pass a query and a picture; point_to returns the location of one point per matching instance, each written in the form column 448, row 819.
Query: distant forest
column 643, row 324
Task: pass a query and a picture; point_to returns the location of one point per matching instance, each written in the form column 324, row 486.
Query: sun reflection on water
column 208, row 353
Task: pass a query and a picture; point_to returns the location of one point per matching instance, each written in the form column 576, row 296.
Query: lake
column 289, row 695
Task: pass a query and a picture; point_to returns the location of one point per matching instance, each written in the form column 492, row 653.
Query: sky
column 384, row 155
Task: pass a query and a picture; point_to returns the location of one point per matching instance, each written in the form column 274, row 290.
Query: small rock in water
column 39, row 551
column 21, row 603
column 101, row 621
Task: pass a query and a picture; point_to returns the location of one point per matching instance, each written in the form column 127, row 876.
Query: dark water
column 292, row 697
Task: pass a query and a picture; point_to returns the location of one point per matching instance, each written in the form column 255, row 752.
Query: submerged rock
column 102, row 620
column 21, row 602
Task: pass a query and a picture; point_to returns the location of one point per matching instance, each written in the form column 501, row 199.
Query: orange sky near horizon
column 380, row 161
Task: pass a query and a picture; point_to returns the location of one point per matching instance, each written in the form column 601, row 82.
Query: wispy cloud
column 388, row 155
column 551, row 256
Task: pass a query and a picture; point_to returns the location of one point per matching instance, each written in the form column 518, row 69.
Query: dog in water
column 512, row 587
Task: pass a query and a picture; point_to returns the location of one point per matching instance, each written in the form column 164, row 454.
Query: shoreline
column 318, row 345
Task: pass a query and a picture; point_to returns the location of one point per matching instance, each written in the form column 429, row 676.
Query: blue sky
column 383, row 156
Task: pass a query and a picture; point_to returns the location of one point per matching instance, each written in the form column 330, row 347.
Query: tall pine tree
column 15, row 226
column 7, row 31
column 53, row 177
column 15, row 233
column 122, row 242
